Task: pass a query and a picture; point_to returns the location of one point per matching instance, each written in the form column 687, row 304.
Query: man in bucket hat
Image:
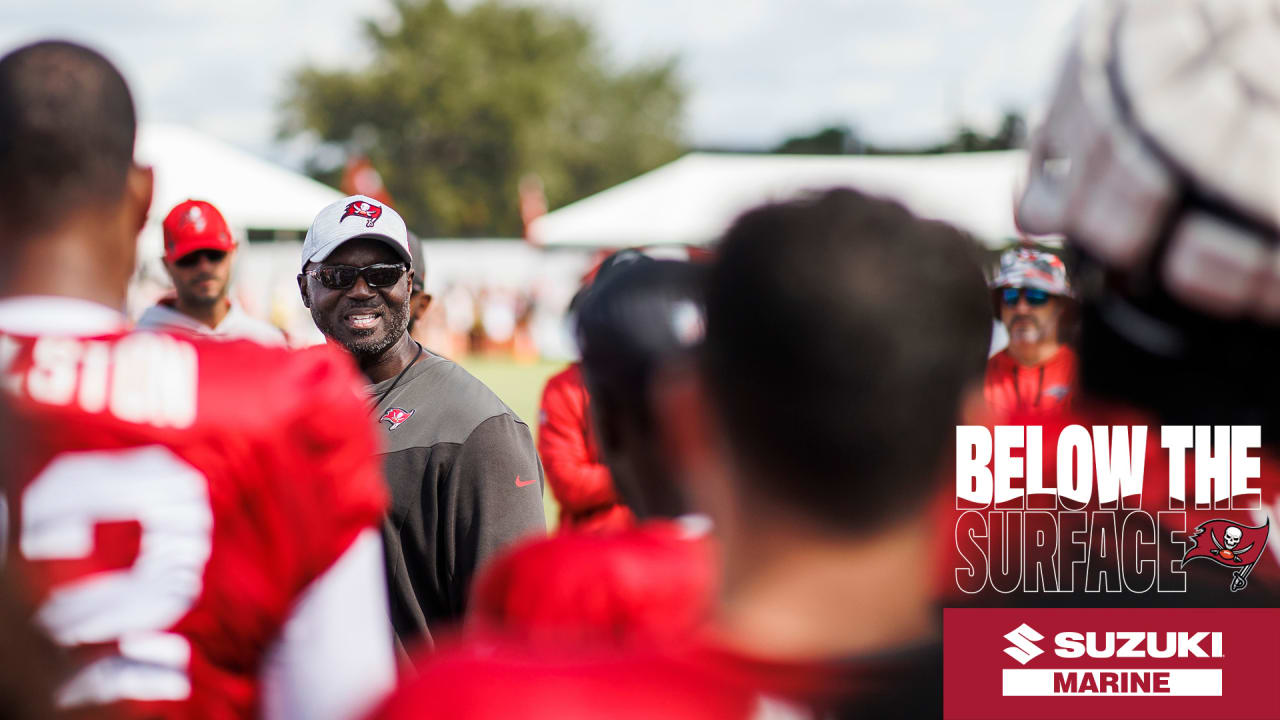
column 1037, row 370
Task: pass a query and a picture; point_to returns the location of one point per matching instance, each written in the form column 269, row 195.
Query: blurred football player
column 651, row 583
column 197, row 520
column 567, row 442
column 845, row 338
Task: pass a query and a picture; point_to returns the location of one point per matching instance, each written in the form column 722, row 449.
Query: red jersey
column 652, row 583
column 174, row 499
column 567, row 445
column 483, row 680
column 1011, row 387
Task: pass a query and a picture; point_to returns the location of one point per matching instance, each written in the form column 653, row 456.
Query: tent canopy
column 250, row 192
column 695, row 198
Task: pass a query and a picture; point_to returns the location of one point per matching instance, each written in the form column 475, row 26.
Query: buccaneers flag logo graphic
column 1231, row 544
column 396, row 417
column 366, row 210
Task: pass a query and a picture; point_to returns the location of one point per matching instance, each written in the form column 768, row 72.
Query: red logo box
column 1100, row 663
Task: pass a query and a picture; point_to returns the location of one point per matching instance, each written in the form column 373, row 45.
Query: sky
column 901, row 72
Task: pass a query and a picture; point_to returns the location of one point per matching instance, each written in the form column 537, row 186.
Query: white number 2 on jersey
column 131, row 607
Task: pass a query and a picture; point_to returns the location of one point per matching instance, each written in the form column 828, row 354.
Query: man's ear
column 418, row 304
column 302, row 289
column 139, row 186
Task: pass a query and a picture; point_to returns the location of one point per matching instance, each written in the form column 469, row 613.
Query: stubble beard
column 198, row 300
column 363, row 343
column 1026, row 329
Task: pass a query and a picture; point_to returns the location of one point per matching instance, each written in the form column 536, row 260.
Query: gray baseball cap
column 357, row 216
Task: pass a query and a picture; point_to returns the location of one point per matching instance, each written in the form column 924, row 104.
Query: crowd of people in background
column 749, row 454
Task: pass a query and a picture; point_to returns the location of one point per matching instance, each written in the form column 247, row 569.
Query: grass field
column 520, row 387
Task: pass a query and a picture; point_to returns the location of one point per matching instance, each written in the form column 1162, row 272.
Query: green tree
column 458, row 105
column 833, row 140
column 842, row 140
column 1011, row 134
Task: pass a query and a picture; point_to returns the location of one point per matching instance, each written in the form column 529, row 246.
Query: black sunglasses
column 192, row 259
column 1035, row 296
column 341, row 277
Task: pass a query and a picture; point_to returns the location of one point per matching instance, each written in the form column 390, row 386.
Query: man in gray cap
column 464, row 478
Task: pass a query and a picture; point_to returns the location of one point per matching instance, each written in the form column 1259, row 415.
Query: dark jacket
column 465, row 482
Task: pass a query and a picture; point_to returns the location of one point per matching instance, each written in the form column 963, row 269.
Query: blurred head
column 1166, row 186
column 631, row 325
column 67, row 130
column 419, row 299
column 357, row 275
column 1031, row 293
column 612, row 263
column 844, row 335
column 198, row 255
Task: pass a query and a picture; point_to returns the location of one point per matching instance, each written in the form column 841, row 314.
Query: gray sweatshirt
column 465, row 482
column 237, row 324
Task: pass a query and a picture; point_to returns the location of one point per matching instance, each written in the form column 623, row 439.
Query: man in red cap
column 198, row 252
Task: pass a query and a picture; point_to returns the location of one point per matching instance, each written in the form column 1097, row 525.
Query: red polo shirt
column 1011, row 387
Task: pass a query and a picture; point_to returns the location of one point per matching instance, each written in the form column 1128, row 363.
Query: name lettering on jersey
column 144, row 378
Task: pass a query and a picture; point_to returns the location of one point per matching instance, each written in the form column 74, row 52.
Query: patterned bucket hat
column 1025, row 267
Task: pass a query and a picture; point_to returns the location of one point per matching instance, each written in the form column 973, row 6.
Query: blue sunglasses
column 1035, row 296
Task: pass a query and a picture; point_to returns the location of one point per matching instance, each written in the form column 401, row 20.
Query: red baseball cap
column 195, row 225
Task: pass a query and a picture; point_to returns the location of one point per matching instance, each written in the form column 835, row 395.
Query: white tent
column 694, row 199
column 250, row 192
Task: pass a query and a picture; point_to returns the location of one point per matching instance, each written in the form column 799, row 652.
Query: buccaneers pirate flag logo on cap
column 1231, row 544
column 366, row 210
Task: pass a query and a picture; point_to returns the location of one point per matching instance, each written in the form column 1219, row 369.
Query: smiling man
column 198, row 253
column 465, row 480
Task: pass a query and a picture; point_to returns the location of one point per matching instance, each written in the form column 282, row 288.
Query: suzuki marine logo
column 1113, row 644
column 1024, row 640
column 1071, row 679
